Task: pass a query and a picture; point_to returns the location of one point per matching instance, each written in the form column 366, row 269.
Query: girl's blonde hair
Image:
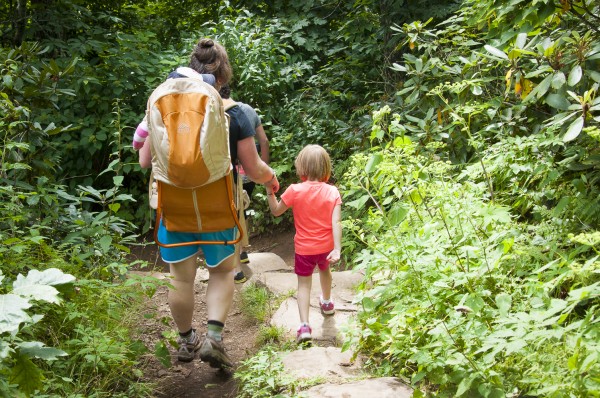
column 313, row 163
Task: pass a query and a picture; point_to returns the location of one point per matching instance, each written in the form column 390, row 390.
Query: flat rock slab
column 327, row 362
column 259, row 263
column 383, row 387
column 342, row 287
column 324, row 328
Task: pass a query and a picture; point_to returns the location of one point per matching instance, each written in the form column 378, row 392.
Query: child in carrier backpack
column 316, row 207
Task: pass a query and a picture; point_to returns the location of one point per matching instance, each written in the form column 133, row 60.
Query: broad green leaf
column 496, row 52
column 572, row 362
column 575, row 75
column 476, row 90
column 558, row 101
column 162, row 353
column 368, row 304
column 50, row 276
column 416, row 197
column 521, row 40
column 118, row 180
column 402, row 141
column 4, row 350
column 36, row 349
column 26, row 375
column 91, row 190
column 358, row 203
column 125, row 197
column 417, row 394
column 374, row 160
column 398, row 67
column 544, row 86
column 397, row 214
column 514, row 346
column 574, row 130
column 464, row 385
column 540, row 89
column 503, row 301
column 589, row 361
column 38, row 292
column 561, row 205
column 105, row 243
column 418, row 64
column 594, row 75
column 475, row 302
column 11, row 312
column 558, row 80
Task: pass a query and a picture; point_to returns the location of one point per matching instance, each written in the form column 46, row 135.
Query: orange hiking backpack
column 191, row 163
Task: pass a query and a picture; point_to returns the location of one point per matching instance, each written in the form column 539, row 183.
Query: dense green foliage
column 479, row 240
column 465, row 139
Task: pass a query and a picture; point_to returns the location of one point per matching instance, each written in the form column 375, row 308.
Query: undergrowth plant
column 259, row 305
column 52, row 234
column 264, row 376
column 17, row 351
column 458, row 297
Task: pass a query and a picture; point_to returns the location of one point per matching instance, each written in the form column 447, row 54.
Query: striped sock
column 215, row 329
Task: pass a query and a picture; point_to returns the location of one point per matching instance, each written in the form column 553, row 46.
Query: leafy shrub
column 263, row 375
column 460, row 298
column 16, row 350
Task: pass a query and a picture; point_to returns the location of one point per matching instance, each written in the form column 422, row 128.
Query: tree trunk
column 19, row 23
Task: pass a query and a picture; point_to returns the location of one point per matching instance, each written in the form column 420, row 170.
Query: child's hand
column 334, row 256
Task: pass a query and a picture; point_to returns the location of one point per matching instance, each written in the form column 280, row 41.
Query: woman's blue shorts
column 213, row 254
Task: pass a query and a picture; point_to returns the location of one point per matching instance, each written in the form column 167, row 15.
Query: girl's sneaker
column 303, row 334
column 327, row 308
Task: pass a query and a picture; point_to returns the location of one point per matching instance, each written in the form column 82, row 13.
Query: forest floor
column 197, row 379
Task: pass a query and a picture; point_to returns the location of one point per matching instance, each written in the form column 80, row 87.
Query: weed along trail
column 260, row 337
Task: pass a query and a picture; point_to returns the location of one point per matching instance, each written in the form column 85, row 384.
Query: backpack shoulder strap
column 229, row 104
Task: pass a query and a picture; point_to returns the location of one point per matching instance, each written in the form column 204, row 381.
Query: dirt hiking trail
column 271, row 265
column 198, row 379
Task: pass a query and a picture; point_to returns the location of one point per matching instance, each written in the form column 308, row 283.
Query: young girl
column 317, row 211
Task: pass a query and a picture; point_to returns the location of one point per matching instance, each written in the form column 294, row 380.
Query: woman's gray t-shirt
column 250, row 114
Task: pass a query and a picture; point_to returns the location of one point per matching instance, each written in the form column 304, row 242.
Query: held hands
column 272, row 185
column 334, row 256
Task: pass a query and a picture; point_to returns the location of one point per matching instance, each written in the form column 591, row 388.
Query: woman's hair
column 225, row 91
column 313, row 163
column 211, row 57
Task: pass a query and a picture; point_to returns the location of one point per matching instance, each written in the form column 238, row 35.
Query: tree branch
column 581, row 17
column 587, row 10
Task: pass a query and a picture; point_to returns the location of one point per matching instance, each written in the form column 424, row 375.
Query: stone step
column 325, row 328
column 382, row 387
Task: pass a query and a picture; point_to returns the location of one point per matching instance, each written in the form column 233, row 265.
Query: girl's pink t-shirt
column 312, row 203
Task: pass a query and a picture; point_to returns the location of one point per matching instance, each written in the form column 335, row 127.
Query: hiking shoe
column 244, row 258
column 188, row 347
column 327, row 308
column 303, row 334
column 239, row 277
column 213, row 352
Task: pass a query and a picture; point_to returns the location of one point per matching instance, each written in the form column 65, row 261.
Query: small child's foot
column 327, row 307
column 304, row 334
